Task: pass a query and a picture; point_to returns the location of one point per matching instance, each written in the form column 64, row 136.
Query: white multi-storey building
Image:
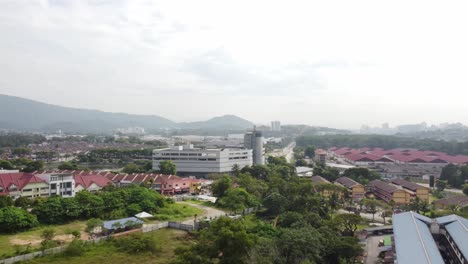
column 190, row 160
column 62, row 184
column 275, row 126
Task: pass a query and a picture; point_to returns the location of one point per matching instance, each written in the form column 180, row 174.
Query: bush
column 76, row 234
column 15, row 219
column 170, row 200
column 137, row 243
column 75, row 249
column 46, row 244
column 48, row 234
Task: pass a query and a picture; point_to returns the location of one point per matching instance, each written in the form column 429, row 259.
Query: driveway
column 372, row 249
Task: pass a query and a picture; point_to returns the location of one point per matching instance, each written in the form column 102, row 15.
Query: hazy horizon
column 338, row 64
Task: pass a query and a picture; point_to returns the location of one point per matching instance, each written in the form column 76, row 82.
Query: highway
column 288, row 151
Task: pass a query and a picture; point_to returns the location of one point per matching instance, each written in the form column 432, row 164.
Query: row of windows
column 236, row 158
column 181, row 154
column 11, row 189
column 208, row 159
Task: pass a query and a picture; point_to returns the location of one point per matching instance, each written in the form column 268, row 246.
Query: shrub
column 76, row 248
column 137, row 243
column 46, row 244
column 48, row 234
column 92, row 223
column 76, row 234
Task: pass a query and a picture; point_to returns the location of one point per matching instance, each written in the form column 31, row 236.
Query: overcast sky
column 330, row 63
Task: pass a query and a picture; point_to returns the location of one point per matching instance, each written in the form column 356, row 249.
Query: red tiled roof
column 406, row 155
column 86, row 180
column 19, row 179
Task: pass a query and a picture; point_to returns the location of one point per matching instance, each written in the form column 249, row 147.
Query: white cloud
column 335, row 63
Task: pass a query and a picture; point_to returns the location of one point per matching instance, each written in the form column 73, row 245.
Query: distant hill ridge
column 29, row 115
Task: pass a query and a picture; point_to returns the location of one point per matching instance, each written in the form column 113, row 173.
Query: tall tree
column 167, row 167
column 310, row 151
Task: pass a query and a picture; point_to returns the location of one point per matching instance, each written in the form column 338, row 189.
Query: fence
column 51, row 251
column 145, row 229
column 33, row 255
column 181, row 226
column 154, row 227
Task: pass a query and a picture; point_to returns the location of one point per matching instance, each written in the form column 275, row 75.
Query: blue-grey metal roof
column 457, row 227
column 413, row 240
column 109, row 224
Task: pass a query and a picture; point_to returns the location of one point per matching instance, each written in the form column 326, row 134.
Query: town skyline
column 318, row 64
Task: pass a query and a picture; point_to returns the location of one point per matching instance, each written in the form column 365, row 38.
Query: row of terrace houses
column 356, row 189
column 398, row 190
column 67, row 183
column 165, row 184
column 43, row 184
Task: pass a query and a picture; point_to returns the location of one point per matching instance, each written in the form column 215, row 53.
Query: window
column 13, row 188
column 1, row 189
column 27, row 190
column 53, row 186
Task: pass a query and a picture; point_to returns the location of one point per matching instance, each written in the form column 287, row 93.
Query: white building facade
column 275, row 126
column 203, row 161
column 61, row 184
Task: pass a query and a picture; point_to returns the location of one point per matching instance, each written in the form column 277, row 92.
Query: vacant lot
column 167, row 239
column 11, row 243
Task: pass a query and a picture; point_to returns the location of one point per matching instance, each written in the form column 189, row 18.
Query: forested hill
column 386, row 142
column 28, row 115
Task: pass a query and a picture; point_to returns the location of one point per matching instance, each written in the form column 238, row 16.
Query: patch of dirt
column 33, row 241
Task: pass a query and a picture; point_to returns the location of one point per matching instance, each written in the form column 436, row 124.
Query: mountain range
column 22, row 114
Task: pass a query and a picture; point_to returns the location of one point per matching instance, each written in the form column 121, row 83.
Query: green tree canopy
column 15, row 219
column 167, row 167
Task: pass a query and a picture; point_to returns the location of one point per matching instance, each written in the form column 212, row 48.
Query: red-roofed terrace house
column 23, row 184
column 90, row 182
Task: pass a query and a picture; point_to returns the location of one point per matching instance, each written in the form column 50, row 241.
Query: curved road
column 207, row 211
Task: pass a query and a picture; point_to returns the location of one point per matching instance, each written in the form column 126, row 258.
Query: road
column 207, row 212
column 288, row 151
column 377, row 217
column 372, row 249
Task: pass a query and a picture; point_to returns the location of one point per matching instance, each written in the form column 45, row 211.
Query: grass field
column 168, row 239
column 205, row 203
column 177, row 212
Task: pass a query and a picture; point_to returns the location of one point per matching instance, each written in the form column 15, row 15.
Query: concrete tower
column 254, row 140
